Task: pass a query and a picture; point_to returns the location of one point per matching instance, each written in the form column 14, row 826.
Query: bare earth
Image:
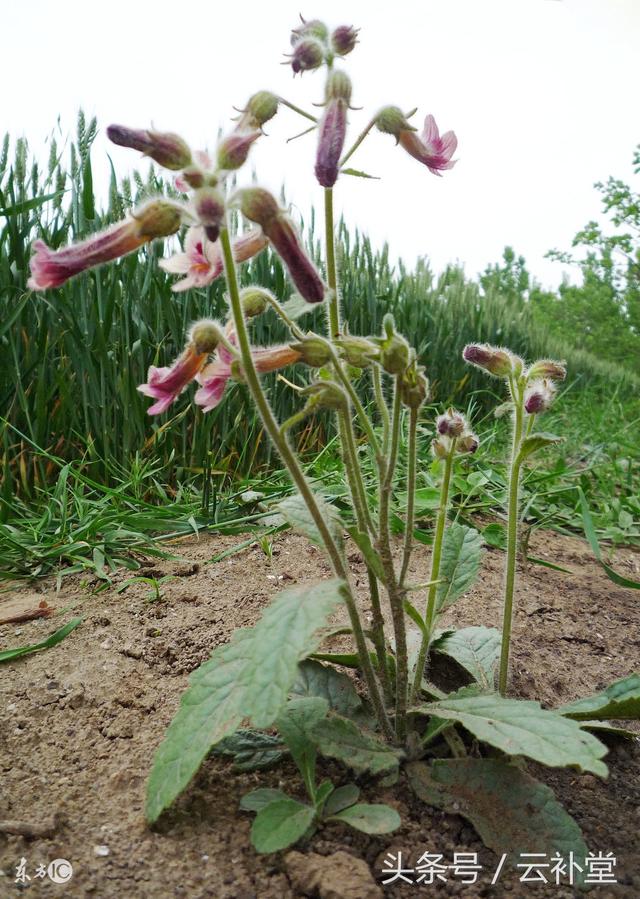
column 79, row 724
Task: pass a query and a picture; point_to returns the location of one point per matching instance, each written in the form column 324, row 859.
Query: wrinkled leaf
column 280, row 824
column 299, row 517
column 462, row 550
column 341, row 739
column 511, row 811
column 495, row 535
column 369, row 818
column 251, row 750
column 257, row 799
column 250, row 677
column 364, row 544
column 522, row 727
column 534, row 442
column 477, row 649
column 619, row 700
column 315, row 679
column 342, row 798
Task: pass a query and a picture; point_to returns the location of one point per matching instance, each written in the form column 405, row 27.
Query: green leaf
column 534, row 442
column 280, row 824
column 295, row 725
column 250, row 677
column 603, row 727
column 257, row 799
column 415, row 616
column 299, row 517
column 6, row 655
column 341, row 798
column 358, row 174
column 590, row 534
column 522, row 727
column 477, row 649
column 619, row 700
column 315, row 679
column 341, row 739
column 323, row 792
column 495, row 535
column 251, row 750
column 371, row 557
column 27, row 205
column 369, row 818
column 462, row 550
column 511, row 811
column 426, row 499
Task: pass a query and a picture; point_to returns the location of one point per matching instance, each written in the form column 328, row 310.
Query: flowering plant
column 277, row 674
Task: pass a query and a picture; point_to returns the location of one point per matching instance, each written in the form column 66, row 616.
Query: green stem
column 430, row 613
column 359, row 140
column 307, row 115
column 393, row 591
column 298, row 477
column 411, row 494
column 355, row 399
column 382, row 407
column 332, row 274
column 512, row 535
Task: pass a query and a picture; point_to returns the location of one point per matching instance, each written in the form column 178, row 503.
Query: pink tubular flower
column 51, row 268
column 202, row 260
column 332, row 129
column 167, row 383
column 430, row 148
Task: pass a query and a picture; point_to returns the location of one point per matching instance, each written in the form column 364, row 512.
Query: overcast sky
column 542, row 94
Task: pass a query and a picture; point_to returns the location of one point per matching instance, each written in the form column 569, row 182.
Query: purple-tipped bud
column 343, row 39
column 392, row 120
column 357, row 351
column 254, row 301
column 233, row 150
column 204, row 335
column 332, row 131
column 209, row 206
column 313, row 28
column 307, row 55
column 468, row 443
column 538, row 396
column 452, row 423
column 260, row 206
column 547, row 368
column 260, row 107
column 193, row 177
column 314, row 351
column 167, row 149
column 496, row 361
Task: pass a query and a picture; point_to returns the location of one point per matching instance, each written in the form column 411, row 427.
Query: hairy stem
column 357, row 143
column 383, row 409
column 332, row 272
column 411, row 493
column 307, row 115
column 430, row 612
column 298, row 477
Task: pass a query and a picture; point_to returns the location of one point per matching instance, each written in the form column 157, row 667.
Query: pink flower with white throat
column 201, row 262
column 430, row 148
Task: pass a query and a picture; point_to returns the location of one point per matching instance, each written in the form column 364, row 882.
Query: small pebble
column 101, row 851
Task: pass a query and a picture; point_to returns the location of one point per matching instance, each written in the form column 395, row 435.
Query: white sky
column 543, row 95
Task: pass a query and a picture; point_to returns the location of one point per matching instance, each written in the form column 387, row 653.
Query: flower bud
column 259, row 206
column 357, row 351
column 254, row 301
column 204, row 335
column 441, row 447
column 313, row 28
column 538, row 396
column 159, row 218
column 338, row 87
column 414, row 386
column 192, row 176
column 547, row 368
column 343, row 39
column 260, row 107
column 332, row 131
column 494, row 360
column 307, row 55
column 167, row 149
column 209, row 206
column 468, row 443
column 233, row 150
column 313, row 350
column 392, row 120
column 452, row 423
column 394, row 349
column 325, row 395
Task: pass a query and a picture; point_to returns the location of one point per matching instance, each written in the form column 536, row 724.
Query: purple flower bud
column 259, row 109
column 167, row 149
column 494, row 360
column 209, row 206
column 313, row 28
column 307, row 55
column 260, row 206
column 332, row 131
column 547, row 368
column 539, row 396
column 344, row 39
column 452, row 423
column 392, row 120
column 468, row 443
column 233, row 150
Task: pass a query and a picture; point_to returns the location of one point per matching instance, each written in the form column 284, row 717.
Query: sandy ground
column 79, row 724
